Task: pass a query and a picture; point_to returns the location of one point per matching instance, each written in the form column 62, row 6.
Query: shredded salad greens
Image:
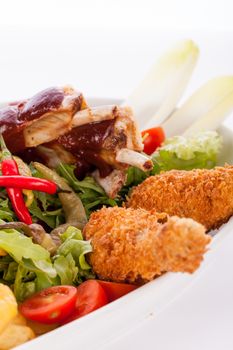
column 28, row 267
column 183, row 153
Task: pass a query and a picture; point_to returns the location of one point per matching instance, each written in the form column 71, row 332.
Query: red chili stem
column 6, row 154
column 28, row 183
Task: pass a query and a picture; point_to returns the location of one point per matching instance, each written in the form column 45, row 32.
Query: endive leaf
column 158, row 94
column 204, row 110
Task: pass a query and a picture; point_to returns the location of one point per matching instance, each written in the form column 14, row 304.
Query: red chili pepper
column 9, row 167
column 28, row 183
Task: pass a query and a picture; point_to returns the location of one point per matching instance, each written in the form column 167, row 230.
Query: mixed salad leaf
column 28, row 267
column 91, row 194
column 179, row 152
column 6, row 213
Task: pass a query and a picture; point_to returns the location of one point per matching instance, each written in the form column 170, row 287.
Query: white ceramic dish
column 126, row 322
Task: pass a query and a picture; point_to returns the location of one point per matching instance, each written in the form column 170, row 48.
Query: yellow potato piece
column 15, row 335
column 20, row 320
column 8, row 306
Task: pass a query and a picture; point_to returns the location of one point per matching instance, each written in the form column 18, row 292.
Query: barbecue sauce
column 11, row 128
column 86, row 142
column 43, row 102
column 14, row 117
column 87, row 137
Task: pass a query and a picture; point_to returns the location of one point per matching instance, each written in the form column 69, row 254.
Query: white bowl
column 175, row 311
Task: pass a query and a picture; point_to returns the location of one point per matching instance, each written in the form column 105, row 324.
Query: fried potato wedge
column 8, row 306
column 15, row 335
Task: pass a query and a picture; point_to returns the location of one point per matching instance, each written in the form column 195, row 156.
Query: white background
column 104, row 48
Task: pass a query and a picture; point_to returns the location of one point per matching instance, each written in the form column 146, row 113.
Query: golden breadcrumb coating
column 137, row 245
column 203, row 195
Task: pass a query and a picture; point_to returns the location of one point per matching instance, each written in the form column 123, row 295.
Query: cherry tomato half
column 90, row 296
column 153, row 140
column 116, row 290
column 51, row 305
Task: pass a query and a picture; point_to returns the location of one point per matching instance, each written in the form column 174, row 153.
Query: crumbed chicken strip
column 203, row 195
column 136, row 245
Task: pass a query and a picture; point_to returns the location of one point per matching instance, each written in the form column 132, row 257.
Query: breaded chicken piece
column 203, row 195
column 137, row 245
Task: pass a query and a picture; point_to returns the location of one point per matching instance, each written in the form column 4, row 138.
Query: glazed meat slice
column 105, row 140
column 104, row 137
column 40, row 119
column 56, row 126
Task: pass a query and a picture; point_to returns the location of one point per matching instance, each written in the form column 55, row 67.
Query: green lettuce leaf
column 77, row 249
column 19, row 246
column 67, row 172
column 48, row 209
column 29, row 268
column 24, row 284
column 74, row 244
column 66, row 269
column 74, row 249
column 71, row 232
column 10, row 271
column 41, row 266
column 6, row 213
